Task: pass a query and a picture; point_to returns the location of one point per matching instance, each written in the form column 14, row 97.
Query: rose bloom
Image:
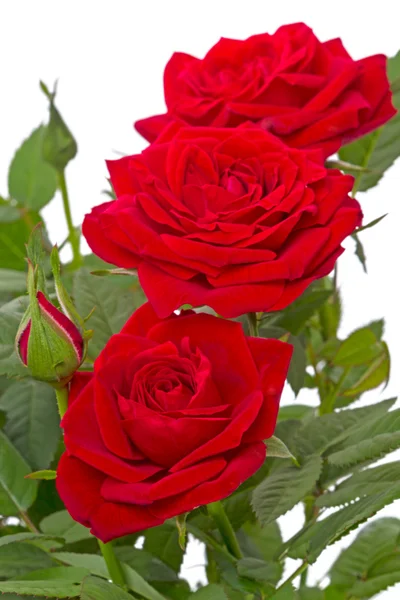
column 173, row 417
column 229, row 218
column 306, row 92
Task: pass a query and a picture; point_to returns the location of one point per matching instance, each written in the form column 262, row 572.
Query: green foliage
column 31, row 181
column 16, row 493
column 284, row 488
column 12, row 281
column 62, row 524
column 210, row 592
column 10, row 318
column 18, row 559
column 58, row 144
column 32, row 421
column 162, row 542
column 377, row 151
column 47, row 588
column 113, row 305
column 94, row 588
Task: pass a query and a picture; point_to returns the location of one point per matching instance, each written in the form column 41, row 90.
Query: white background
column 109, row 57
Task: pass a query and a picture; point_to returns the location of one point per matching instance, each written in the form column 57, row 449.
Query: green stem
column 113, row 565
column 217, row 512
column 62, row 400
column 293, row 576
column 72, row 233
column 253, row 324
column 25, row 518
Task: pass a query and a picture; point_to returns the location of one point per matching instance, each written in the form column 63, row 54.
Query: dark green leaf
column 10, row 318
column 259, row 570
column 297, row 368
column 112, row 306
column 62, row 524
column 162, row 542
column 148, row 566
column 284, row 488
column 18, row 559
column 360, row 252
column 94, row 588
column 31, row 181
column 32, row 421
column 327, row 531
column 27, row 537
column 308, row 593
column 295, row 317
column 363, row 483
column 295, row 411
column 16, row 492
column 59, row 146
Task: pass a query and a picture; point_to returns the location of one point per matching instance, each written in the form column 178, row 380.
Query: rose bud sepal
column 47, row 341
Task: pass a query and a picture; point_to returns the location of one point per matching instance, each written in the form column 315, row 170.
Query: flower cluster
column 230, row 206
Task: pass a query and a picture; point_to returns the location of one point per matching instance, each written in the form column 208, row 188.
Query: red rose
column 230, row 218
column 306, row 92
column 173, row 417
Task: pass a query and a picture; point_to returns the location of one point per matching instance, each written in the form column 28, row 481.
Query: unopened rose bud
column 48, row 341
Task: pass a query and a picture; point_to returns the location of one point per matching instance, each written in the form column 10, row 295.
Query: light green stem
column 217, row 512
column 293, row 576
column 253, row 324
column 113, row 565
column 72, row 233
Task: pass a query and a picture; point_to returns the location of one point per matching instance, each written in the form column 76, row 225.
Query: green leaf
column 62, row 524
column 378, row 539
column 13, row 237
column 360, row 252
column 371, row 223
column 259, row 570
column 209, row 592
column 162, row 542
column 260, row 542
column 295, row 317
column 376, row 373
column 48, row 589
column 308, row 593
column 362, row 346
column 371, row 440
column 277, row 448
column 32, row 421
column 318, row 434
column 284, row 593
column 10, row 318
column 94, row 588
column 284, row 488
column 8, row 212
column 149, row 567
column 27, row 537
column 31, row 181
column 46, row 474
column 16, row 492
column 378, row 150
column 59, row 146
column 295, row 411
column 18, row 559
column 12, row 281
column 325, row 532
column 112, row 305
column 367, row 589
column 364, row 483
column 72, row 574
column 238, row 508
column 97, row 566
column 297, row 368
